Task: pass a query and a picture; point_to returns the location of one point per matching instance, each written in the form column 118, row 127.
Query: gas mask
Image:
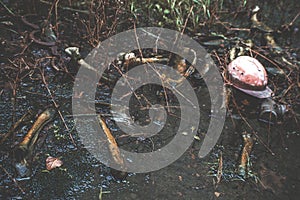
column 249, row 76
column 271, row 112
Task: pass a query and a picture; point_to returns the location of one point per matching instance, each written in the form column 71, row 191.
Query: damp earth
column 37, row 74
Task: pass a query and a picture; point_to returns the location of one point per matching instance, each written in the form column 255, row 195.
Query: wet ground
column 33, row 78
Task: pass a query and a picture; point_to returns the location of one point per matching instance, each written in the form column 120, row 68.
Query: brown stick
column 25, row 21
column 32, row 135
column 57, row 106
column 16, row 125
column 32, row 33
column 113, row 146
column 35, row 40
column 248, row 145
column 23, row 151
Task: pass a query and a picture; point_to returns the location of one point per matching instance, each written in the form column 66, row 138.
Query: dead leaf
column 217, row 194
column 52, row 163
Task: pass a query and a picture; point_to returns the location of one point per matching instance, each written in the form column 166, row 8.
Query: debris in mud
column 226, row 32
column 52, row 163
column 24, row 150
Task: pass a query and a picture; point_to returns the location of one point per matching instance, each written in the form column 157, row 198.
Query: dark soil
column 30, row 71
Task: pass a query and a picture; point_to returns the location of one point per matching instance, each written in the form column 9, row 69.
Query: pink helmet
column 248, row 75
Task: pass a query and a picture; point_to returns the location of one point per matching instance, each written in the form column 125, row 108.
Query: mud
column 275, row 160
